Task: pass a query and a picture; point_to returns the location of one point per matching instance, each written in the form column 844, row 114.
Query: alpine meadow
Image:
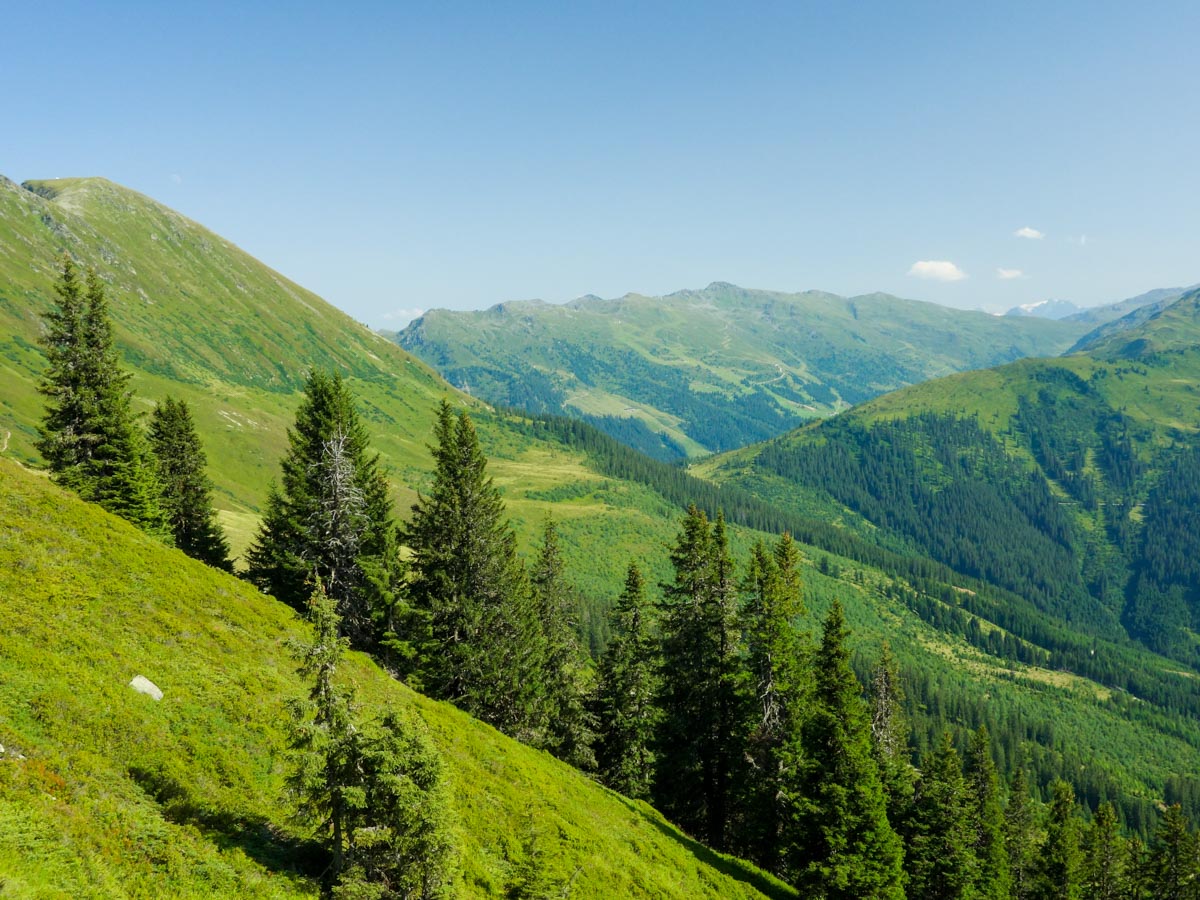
column 868, row 571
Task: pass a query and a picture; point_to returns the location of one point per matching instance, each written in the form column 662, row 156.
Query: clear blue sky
column 415, row 155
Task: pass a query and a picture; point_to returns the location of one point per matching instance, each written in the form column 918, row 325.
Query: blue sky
column 405, row 156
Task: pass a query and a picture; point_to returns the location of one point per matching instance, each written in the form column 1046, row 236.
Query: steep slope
column 106, row 793
column 710, row 370
column 1157, row 298
column 199, row 318
column 1059, row 480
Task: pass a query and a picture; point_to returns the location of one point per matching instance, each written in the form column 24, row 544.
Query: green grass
column 119, row 796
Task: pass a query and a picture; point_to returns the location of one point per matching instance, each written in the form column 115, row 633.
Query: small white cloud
column 403, row 316
column 1009, row 274
column 937, row 270
column 178, row 179
column 1029, row 233
column 1081, row 240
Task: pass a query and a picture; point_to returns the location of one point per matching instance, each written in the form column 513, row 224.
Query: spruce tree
column 89, row 436
column 330, row 517
column 704, row 686
column 941, row 861
column 566, row 678
column 628, row 682
column 484, row 648
column 376, row 792
column 1103, row 873
column 1019, row 837
column 777, row 665
column 1172, row 869
column 985, row 814
column 841, row 845
column 889, row 738
column 1059, row 862
column 186, row 491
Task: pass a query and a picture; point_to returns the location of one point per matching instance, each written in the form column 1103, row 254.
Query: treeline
column 947, row 599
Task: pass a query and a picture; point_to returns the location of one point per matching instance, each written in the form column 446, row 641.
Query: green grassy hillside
column 1064, row 481
column 106, row 793
column 701, row 371
column 197, row 317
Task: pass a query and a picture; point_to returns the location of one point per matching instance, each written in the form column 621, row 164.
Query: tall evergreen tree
column 841, row 846
column 570, row 727
column 985, row 814
column 330, row 518
column 484, row 647
column 377, row 792
column 89, row 435
column 889, row 739
column 187, row 492
column 628, row 683
column 704, row 687
column 777, row 661
column 941, row 861
column 1059, row 863
column 1173, row 867
column 1019, row 837
column 1103, row 873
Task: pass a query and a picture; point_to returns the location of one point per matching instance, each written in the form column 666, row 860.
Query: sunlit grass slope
column 106, row 793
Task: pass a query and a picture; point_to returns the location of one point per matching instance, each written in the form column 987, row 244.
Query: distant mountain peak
column 1046, row 309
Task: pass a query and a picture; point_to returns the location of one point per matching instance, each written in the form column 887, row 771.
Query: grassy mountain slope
column 201, row 319
column 1058, row 480
column 105, row 793
column 701, row 371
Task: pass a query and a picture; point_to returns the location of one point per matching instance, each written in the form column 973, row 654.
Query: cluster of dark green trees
column 711, row 699
column 91, row 439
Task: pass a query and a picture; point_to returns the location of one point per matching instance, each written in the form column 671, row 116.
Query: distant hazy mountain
column 1046, row 309
column 701, row 371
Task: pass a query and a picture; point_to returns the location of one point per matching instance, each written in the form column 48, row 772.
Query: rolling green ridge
column 701, row 371
column 106, row 793
column 1063, row 481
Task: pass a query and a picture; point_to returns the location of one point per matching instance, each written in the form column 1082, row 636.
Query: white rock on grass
column 145, row 686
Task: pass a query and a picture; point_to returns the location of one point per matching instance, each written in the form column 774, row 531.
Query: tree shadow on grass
column 255, row 836
column 737, row 869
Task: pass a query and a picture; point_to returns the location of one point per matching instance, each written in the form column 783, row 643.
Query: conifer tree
column 377, row 793
column 941, row 861
column 1059, row 862
column 841, row 845
column 704, row 687
column 1019, row 838
column 1103, row 874
column 89, row 436
column 986, row 817
column 330, row 517
column 1173, row 867
column 889, row 738
column 777, row 665
column 570, row 726
column 484, row 646
column 187, row 493
column 628, row 683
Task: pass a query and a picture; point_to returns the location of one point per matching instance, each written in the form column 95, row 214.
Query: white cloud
column 1030, row 233
column 937, row 270
column 178, row 179
column 402, row 317
column 1009, row 274
column 1081, row 240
